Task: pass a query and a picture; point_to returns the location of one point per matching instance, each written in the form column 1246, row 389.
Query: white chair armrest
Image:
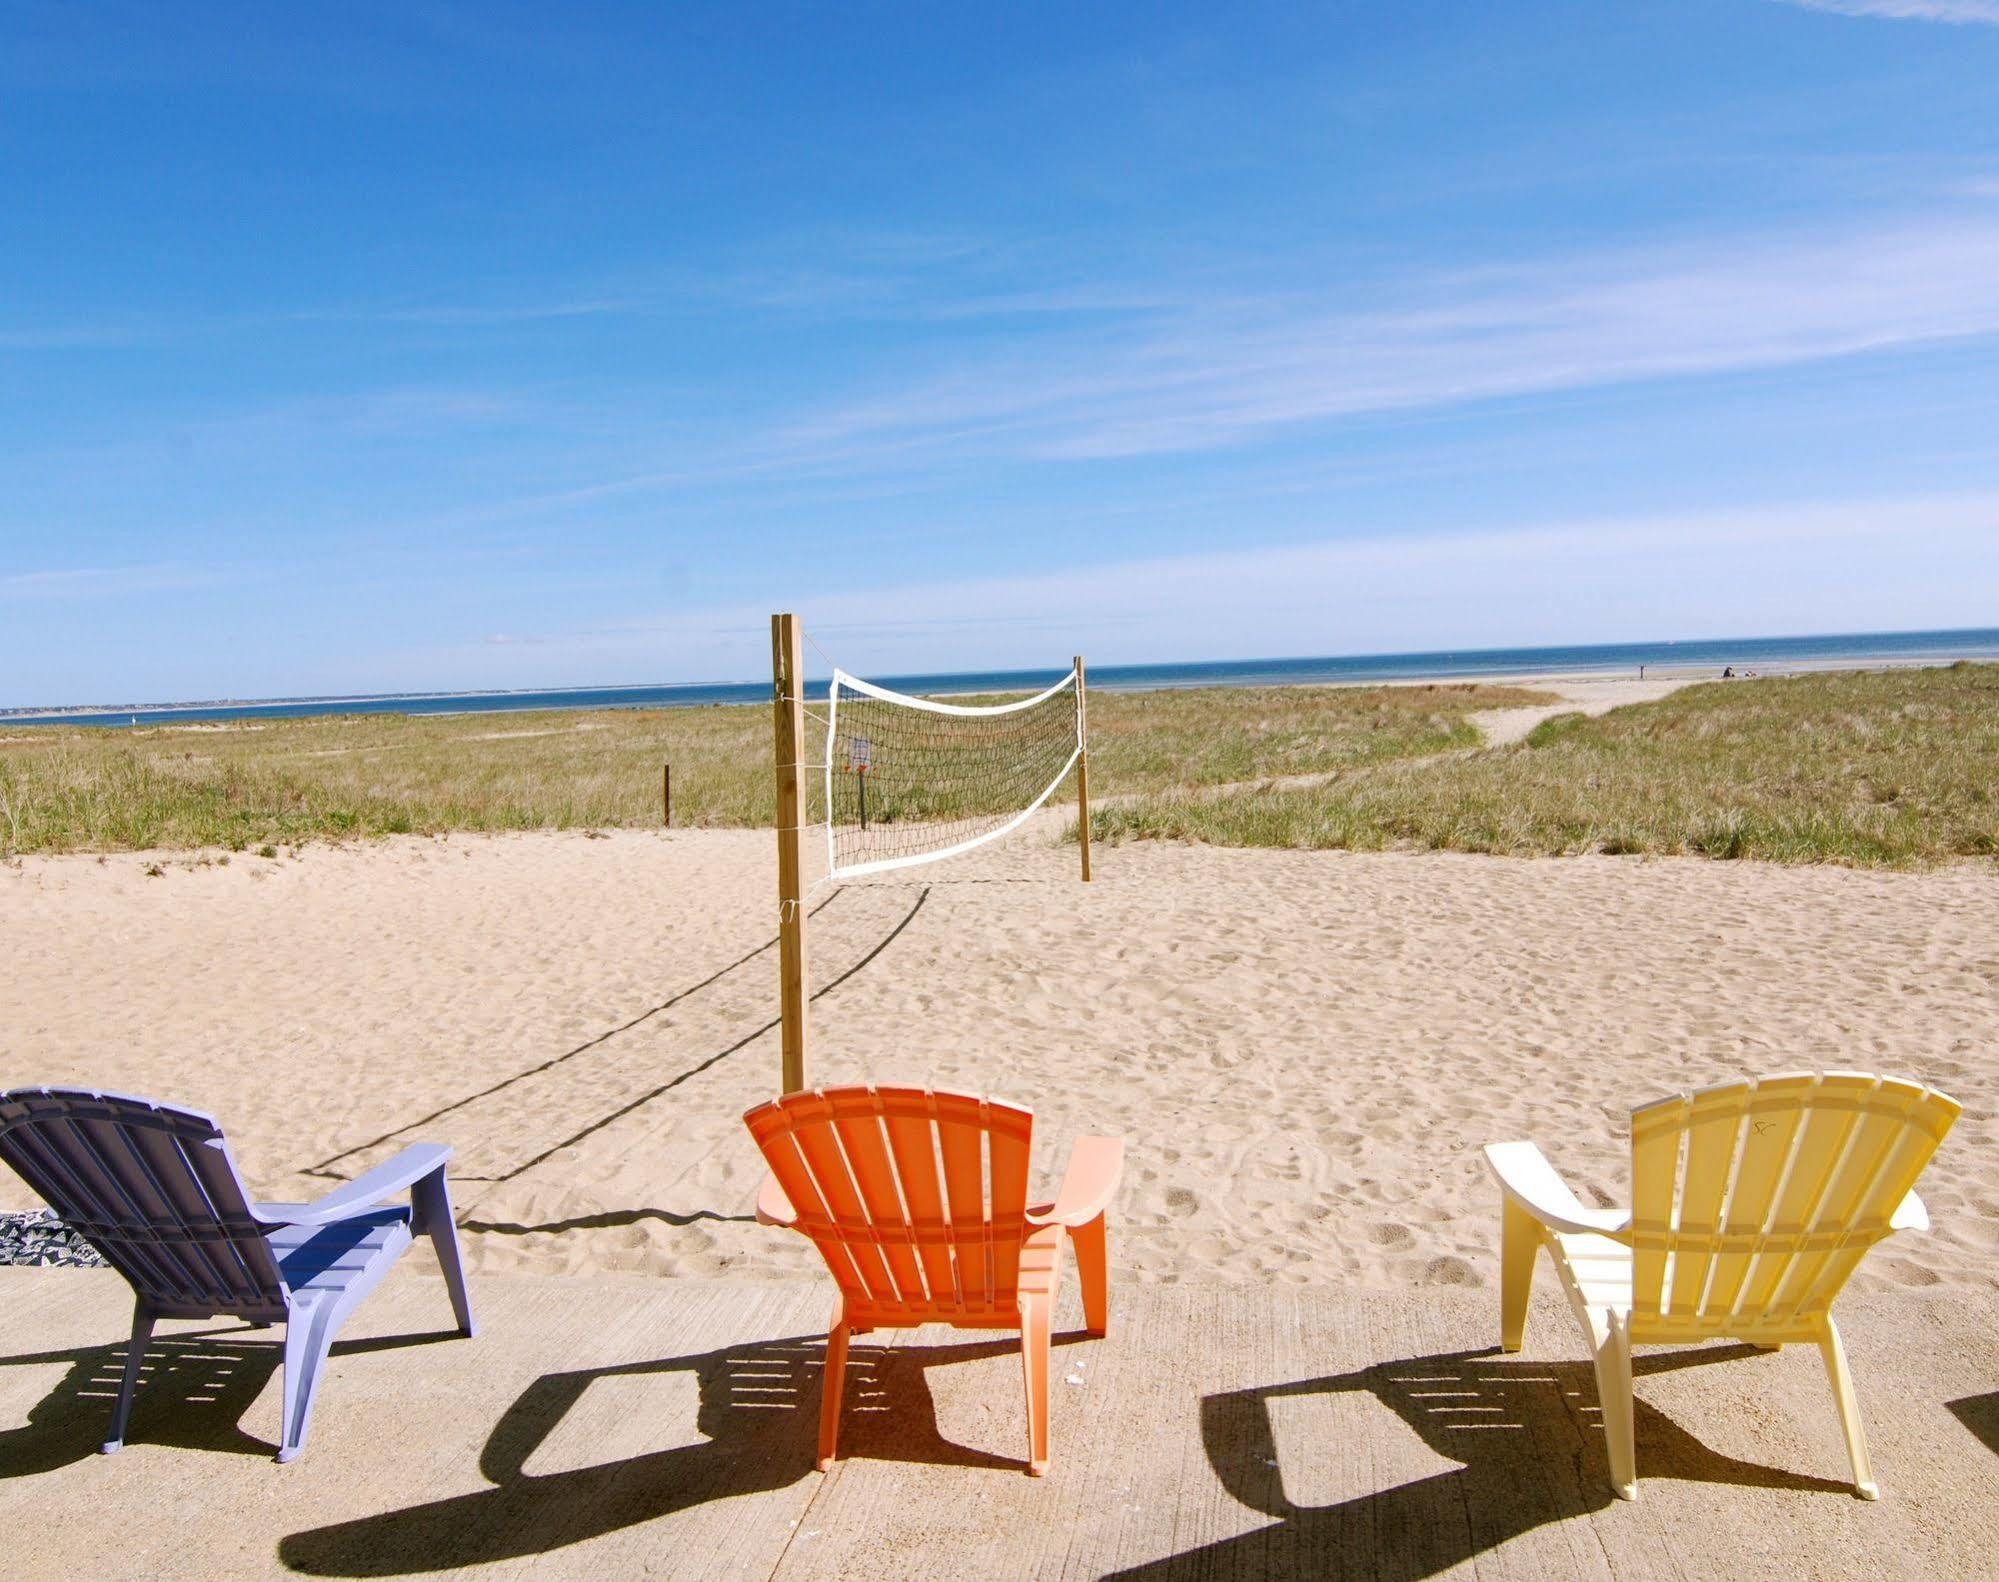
column 1910, row 1214
column 1096, row 1165
column 773, row 1207
column 350, row 1198
column 1529, row 1180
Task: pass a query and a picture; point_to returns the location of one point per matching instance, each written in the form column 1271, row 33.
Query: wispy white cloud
column 1843, row 565
column 67, row 337
column 1208, row 377
column 472, row 314
column 911, row 276
column 102, row 582
column 481, row 314
column 1955, row 11
column 1122, row 369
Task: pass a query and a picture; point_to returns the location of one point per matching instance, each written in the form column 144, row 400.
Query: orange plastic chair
column 918, row 1203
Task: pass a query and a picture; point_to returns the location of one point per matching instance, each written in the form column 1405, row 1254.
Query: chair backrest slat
column 1753, row 1202
column 961, row 1142
column 917, row 1200
column 1796, row 1209
column 152, row 1187
column 1891, row 1143
column 819, row 1148
column 155, row 1222
column 60, row 1168
column 913, row 1141
column 1655, row 1167
column 1007, row 1158
column 866, row 1148
column 1773, row 1124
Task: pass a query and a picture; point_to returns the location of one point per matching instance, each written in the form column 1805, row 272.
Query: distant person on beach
column 1728, row 672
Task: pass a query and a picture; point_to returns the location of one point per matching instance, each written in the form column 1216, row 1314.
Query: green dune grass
column 258, row 783
column 1873, row 769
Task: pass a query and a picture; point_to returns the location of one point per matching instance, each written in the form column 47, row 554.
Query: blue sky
column 428, row 346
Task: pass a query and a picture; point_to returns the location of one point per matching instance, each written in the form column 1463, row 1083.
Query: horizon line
column 46, row 713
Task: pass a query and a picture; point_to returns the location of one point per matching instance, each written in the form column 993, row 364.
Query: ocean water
column 1755, row 653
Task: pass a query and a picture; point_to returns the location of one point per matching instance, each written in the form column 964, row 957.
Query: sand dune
column 1579, row 695
column 1304, row 1049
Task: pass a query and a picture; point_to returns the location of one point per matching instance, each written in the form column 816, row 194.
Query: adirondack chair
column 1752, row 1204
column 918, row 1203
column 155, row 1189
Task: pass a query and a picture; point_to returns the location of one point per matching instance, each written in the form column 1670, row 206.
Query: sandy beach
column 571, row 575
column 1304, row 1050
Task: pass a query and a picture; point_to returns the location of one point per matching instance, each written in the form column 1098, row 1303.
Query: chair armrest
column 1095, row 1166
column 1527, row 1179
column 1910, row 1214
column 364, row 1191
column 773, row 1207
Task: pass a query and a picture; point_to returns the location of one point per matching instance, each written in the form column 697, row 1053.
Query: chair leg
column 1613, row 1388
column 1519, row 1241
column 1035, row 1340
column 1849, row 1411
column 308, row 1338
column 135, row 1353
column 1092, row 1273
column 430, row 1200
column 831, row 1383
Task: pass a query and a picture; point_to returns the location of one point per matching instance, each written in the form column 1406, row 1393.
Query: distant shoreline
column 1690, row 659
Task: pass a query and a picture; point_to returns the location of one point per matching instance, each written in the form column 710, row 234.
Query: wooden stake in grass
column 666, row 796
column 787, row 660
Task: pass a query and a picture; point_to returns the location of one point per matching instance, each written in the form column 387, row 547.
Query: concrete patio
column 623, row 1426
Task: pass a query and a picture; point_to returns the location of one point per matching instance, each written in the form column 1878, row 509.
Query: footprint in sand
column 1181, row 1201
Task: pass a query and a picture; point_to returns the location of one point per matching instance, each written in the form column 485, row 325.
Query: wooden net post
column 787, row 663
column 1082, row 770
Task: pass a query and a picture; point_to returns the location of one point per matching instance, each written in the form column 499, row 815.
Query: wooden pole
column 1082, row 770
column 666, row 795
column 787, row 664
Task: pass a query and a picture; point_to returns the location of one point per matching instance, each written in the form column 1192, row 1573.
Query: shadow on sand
column 1979, row 1414
column 193, row 1392
column 758, row 1410
column 1529, row 1439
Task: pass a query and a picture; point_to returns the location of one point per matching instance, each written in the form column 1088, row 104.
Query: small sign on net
column 860, row 754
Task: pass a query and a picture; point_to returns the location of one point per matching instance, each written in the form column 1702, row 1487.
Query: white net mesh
column 911, row 780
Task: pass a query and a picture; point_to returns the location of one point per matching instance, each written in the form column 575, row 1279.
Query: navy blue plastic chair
column 155, row 1189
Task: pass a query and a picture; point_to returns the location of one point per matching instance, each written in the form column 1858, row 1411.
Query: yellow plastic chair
column 1752, row 1204
column 918, row 1203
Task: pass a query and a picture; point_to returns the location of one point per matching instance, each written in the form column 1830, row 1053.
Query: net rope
column 911, row 780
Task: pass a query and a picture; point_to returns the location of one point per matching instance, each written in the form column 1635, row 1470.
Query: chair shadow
column 1979, row 1414
column 1529, row 1438
column 193, row 1391
column 759, row 1411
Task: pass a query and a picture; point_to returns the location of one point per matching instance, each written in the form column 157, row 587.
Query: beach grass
column 1871, row 769
column 268, row 783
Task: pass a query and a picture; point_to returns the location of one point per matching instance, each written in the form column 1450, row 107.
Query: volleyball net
column 912, row 780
